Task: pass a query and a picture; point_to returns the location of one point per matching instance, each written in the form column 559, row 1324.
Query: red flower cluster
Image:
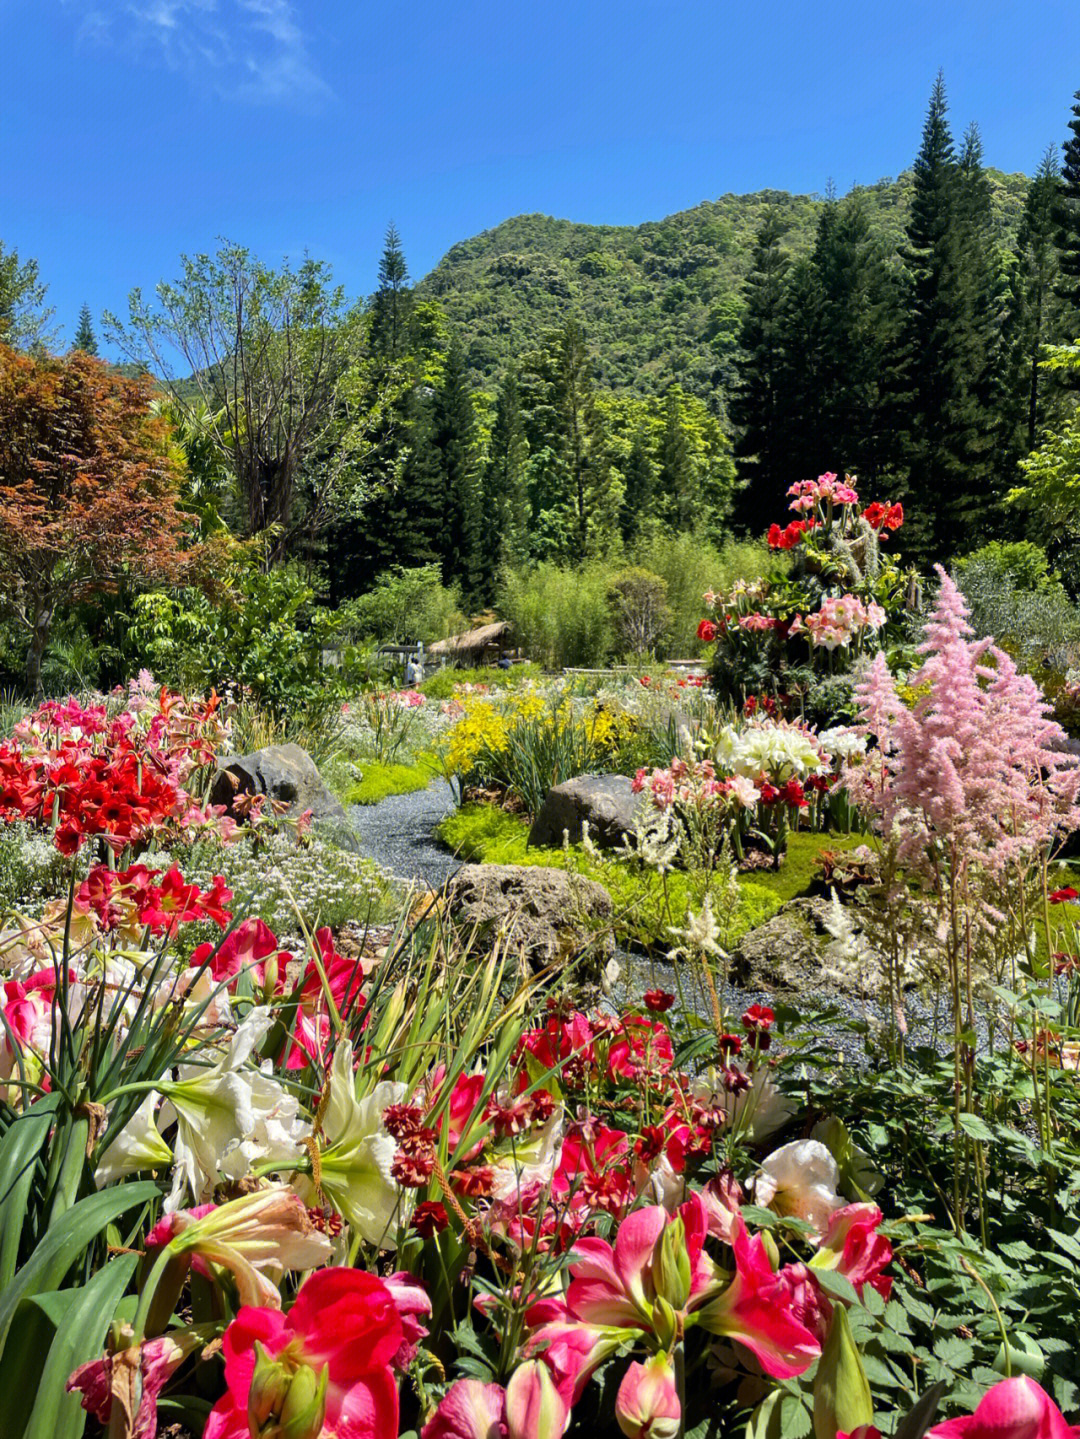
column 884, row 517
column 74, row 771
column 160, row 905
column 788, row 537
column 706, row 631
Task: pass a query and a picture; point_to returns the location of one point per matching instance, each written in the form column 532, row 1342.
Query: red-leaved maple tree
column 88, row 488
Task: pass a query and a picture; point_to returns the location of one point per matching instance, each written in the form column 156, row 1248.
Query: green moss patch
column 382, row 780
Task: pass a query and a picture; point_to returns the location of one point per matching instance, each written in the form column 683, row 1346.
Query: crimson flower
column 1064, row 896
column 706, row 631
column 323, row 1367
column 658, row 1000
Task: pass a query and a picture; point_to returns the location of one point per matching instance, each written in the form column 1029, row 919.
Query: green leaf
column 80, row 1338
column 977, row 1128
column 19, row 1150
column 65, row 1242
column 915, row 1424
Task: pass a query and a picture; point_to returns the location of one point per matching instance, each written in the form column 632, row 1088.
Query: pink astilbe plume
column 976, row 773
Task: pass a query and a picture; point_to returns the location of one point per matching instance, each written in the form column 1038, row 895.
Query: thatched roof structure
column 473, row 644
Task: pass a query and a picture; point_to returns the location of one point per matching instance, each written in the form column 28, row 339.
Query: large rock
column 545, row 914
column 605, row 801
column 798, row 952
column 287, row 774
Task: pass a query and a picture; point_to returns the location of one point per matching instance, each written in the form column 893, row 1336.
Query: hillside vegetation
column 659, row 301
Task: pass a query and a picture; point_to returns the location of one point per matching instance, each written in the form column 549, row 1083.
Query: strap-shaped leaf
column 19, row 1150
column 80, row 1338
column 65, row 1241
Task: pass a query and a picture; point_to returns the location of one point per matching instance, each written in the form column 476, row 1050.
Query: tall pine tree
column 759, row 405
column 1035, row 306
column 1068, row 220
column 455, row 437
column 391, row 307
column 505, row 489
column 85, row 339
column 677, row 475
column 639, row 484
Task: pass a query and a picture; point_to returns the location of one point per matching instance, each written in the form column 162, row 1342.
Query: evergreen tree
column 85, row 339
column 418, row 520
column 1068, row 219
column 639, row 483
column 1035, row 306
column 505, row 488
column 676, row 479
column 455, row 436
column 759, row 403
column 392, row 303
column 949, row 370
column 802, row 442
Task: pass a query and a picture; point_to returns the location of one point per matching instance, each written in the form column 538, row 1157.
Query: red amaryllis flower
column 1064, row 896
column 792, row 793
column 758, row 1019
column 326, row 1362
column 658, row 1000
column 706, row 631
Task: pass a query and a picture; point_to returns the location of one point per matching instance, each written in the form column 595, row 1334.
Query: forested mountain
column 660, row 301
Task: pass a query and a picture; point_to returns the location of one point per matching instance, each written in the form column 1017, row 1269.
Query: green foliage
column 443, row 683
column 640, row 610
column 689, row 564
column 405, row 606
column 266, row 635
column 561, row 616
column 1015, row 597
column 26, row 322
column 1050, row 490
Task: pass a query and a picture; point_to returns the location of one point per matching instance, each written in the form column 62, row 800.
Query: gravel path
column 397, row 834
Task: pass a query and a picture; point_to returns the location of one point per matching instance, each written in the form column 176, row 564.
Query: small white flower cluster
column 32, row 869
column 280, row 881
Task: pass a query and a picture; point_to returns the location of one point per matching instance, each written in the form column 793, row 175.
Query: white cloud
column 243, row 49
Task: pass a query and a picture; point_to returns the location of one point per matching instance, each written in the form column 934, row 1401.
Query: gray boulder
column 605, row 801
column 289, row 777
column 545, row 914
column 796, row 952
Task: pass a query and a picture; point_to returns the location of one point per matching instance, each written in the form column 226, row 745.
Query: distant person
column 414, row 675
column 505, row 661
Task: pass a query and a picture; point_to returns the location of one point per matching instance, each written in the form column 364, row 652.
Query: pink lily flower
column 530, row 1407
column 756, row 1310
column 619, row 1285
column 647, row 1404
column 853, row 1247
column 1014, row 1409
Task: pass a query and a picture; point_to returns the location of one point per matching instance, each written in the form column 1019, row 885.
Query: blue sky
column 133, row 130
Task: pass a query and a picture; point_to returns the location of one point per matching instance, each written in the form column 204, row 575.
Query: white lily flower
column 354, row 1167
column 218, row 1107
column 800, row 1179
column 138, row 1146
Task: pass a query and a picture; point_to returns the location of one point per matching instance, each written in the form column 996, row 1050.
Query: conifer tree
column 1035, row 306
column 455, row 436
column 639, row 481
column 85, row 339
column 505, row 488
column 1068, row 219
column 392, row 304
column 758, row 405
column 676, row 478
column 418, row 519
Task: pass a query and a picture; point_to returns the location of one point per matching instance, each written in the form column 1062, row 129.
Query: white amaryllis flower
column 842, row 742
column 218, row 1107
column 354, row 1167
column 533, row 1159
column 138, row 1146
column 800, row 1179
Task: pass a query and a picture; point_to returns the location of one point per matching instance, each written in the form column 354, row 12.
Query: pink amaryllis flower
column 324, row 1367
column 530, row 1407
column 757, row 1311
column 853, row 1247
column 647, row 1404
column 136, row 1374
column 1014, row 1409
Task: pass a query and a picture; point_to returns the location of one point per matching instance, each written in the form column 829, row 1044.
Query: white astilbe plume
column 700, row 937
column 657, row 840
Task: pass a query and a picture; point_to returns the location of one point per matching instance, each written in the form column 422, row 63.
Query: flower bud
column 647, row 1404
column 771, row 1250
column 671, row 1265
column 665, row 1322
column 534, row 1407
column 304, row 1410
column 269, row 1387
column 842, row 1402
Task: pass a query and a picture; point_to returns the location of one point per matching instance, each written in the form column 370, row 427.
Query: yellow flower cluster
column 485, row 725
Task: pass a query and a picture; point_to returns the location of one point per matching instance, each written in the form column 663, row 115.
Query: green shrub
column 690, row 565
column 266, row 636
column 1014, row 596
column 406, row 606
column 561, row 616
column 444, row 683
column 640, row 611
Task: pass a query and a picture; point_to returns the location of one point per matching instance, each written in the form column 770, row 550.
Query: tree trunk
column 39, row 638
